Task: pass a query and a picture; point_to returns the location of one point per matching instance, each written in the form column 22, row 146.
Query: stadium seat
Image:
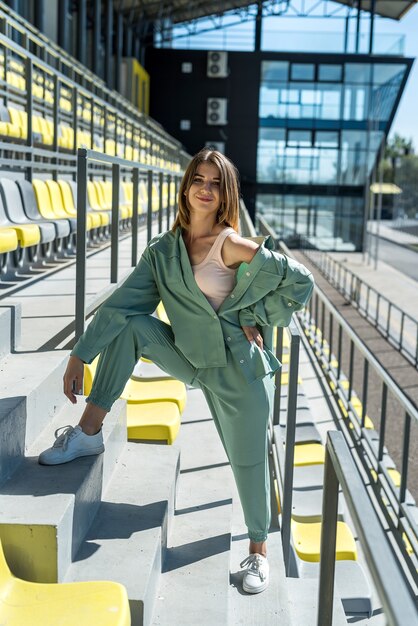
column 48, row 604
column 93, row 219
column 309, row 454
column 159, row 421
column 138, row 391
column 6, row 126
column 8, row 240
column 30, row 207
column 99, row 218
column 14, row 207
column 28, row 235
column 307, row 540
column 46, row 209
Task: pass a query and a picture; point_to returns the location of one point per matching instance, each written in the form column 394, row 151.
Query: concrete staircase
column 173, row 533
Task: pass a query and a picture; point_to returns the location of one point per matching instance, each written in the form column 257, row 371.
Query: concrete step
column 194, row 584
column 45, row 511
column 270, row 606
column 128, row 538
column 10, row 320
column 30, row 394
column 303, row 599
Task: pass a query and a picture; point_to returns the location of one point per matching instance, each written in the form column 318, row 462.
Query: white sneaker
column 256, row 578
column 70, row 444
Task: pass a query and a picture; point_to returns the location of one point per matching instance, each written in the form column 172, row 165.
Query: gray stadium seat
column 14, row 208
column 30, row 206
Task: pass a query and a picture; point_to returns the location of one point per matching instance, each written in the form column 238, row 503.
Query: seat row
column 307, row 496
column 38, row 219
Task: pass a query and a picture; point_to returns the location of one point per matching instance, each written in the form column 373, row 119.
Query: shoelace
column 254, row 562
column 62, row 439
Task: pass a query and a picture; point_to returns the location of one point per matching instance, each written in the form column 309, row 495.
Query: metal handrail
column 322, row 315
column 84, row 157
column 393, row 592
column 283, row 460
column 351, row 286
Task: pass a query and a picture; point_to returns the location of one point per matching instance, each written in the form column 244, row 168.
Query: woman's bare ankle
column 92, row 419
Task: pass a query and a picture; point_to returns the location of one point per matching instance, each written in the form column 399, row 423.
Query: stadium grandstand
column 102, row 105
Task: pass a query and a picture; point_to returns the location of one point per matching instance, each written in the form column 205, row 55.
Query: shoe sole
column 73, row 457
column 255, row 590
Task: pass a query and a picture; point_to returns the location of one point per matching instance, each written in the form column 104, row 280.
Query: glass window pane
column 275, row 71
column 330, row 72
column 302, row 71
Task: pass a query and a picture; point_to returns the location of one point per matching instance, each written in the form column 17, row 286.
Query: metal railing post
column 149, row 208
column 135, row 188
column 290, row 446
column 160, row 207
column 168, row 200
column 114, row 254
column 80, row 281
column 328, row 543
column 278, row 376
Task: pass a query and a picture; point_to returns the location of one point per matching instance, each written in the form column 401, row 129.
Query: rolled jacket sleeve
column 291, row 294
column 138, row 295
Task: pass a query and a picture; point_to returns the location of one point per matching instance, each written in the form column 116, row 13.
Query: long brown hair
column 229, row 190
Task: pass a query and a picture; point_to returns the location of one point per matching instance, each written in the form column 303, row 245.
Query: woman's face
column 204, row 193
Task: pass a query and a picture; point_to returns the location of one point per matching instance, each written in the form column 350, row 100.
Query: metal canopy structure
column 179, row 11
column 395, row 9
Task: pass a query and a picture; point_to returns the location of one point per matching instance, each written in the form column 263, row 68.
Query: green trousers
column 240, row 410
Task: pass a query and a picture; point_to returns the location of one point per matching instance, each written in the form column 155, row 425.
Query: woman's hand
column 253, row 334
column 73, row 375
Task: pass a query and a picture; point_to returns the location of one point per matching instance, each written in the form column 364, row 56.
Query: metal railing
column 398, row 327
column 376, row 416
column 398, row 605
column 86, row 158
column 283, row 459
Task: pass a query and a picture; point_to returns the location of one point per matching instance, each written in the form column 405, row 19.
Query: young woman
column 214, row 341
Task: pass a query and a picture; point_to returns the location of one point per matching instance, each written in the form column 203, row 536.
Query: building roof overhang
column 185, row 11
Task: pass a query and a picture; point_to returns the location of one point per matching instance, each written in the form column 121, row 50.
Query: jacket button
column 242, row 361
column 228, row 338
column 248, row 273
column 232, row 296
column 214, row 317
column 289, row 304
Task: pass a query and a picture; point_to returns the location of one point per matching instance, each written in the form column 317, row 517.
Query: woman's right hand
column 74, row 374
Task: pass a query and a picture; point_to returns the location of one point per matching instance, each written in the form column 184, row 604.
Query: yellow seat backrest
column 92, row 195
column 43, row 199
column 56, row 198
column 67, row 196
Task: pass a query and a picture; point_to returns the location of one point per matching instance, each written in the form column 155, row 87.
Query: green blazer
column 269, row 289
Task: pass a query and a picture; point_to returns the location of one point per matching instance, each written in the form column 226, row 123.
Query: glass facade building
column 321, row 125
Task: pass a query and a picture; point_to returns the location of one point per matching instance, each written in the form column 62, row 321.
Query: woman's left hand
column 253, row 334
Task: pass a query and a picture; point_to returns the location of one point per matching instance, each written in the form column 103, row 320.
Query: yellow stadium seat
column 161, row 313
column 16, row 121
column 105, row 197
column 138, row 391
column 394, row 475
column 94, row 203
column 94, row 220
column 48, row 604
column 57, row 203
column 285, row 379
column 307, row 541
column 8, row 240
column 39, row 126
column 43, row 199
column 158, row 421
column 309, row 454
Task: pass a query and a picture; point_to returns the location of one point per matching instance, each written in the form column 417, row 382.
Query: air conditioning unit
column 216, row 112
column 216, row 145
column 217, row 64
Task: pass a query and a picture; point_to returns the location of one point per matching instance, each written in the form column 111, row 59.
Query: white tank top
column 213, row 277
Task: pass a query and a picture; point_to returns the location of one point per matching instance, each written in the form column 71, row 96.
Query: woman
column 214, row 341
